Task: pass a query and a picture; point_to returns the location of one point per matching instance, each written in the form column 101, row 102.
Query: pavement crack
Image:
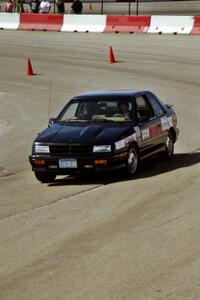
column 66, row 197
column 63, row 198
column 172, row 220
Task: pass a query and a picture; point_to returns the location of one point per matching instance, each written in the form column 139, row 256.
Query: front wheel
column 45, row 177
column 132, row 160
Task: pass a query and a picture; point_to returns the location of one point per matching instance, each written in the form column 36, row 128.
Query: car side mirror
column 169, row 105
column 51, row 121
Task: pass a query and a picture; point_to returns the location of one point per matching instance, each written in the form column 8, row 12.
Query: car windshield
column 115, row 110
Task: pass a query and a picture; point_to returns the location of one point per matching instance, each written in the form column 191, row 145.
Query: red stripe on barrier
column 196, row 26
column 47, row 22
column 130, row 24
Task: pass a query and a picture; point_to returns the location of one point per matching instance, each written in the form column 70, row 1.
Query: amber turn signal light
column 100, row 161
column 39, row 162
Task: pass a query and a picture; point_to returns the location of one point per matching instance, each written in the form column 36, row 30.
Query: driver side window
column 144, row 111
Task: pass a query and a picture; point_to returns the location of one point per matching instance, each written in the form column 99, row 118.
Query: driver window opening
column 144, row 111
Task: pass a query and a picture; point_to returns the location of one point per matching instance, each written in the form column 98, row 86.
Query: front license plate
column 67, row 163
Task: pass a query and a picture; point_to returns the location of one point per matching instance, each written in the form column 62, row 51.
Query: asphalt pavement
column 100, row 237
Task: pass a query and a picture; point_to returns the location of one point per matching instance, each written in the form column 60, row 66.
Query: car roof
column 114, row 93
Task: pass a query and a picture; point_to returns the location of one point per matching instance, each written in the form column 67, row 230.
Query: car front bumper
column 102, row 162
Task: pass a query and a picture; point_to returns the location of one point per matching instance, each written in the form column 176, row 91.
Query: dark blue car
column 101, row 131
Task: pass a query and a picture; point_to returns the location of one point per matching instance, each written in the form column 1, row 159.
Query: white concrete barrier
column 171, row 24
column 84, row 23
column 9, row 20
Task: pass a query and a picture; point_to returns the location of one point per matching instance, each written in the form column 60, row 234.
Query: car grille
column 60, row 150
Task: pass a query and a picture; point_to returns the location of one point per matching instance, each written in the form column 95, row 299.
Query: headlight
column 102, row 148
column 41, row 149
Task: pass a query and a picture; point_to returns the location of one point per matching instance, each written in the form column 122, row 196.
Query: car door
column 161, row 121
column 149, row 125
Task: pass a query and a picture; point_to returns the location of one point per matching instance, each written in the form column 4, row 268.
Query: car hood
column 84, row 133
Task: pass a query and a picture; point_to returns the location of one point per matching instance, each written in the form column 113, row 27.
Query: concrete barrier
column 84, row 23
column 196, row 26
column 129, row 24
column 101, row 23
column 46, row 22
column 171, row 24
column 9, row 21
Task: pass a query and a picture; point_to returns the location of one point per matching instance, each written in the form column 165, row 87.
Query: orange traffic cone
column 29, row 68
column 111, row 56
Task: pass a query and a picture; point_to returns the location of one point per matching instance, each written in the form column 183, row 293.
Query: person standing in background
column 0, row 5
column 45, row 7
column 34, row 6
column 76, row 7
column 60, row 6
column 9, row 6
column 19, row 6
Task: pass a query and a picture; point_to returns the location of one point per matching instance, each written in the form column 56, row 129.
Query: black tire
column 169, row 151
column 132, row 160
column 45, row 177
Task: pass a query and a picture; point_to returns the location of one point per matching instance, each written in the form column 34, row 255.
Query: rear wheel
column 132, row 160
column 45, row 177
column 169, row 151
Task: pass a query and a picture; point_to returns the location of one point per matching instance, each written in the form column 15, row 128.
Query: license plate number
column 67, row 163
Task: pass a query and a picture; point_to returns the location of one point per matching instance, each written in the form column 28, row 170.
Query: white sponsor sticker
column 165, row 123
column 119, row 144
column 137, row 131
column 170, row 121
column 130, row 138
column 145, row 134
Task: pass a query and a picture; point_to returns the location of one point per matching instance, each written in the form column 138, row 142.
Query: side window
column 144, row 110
column 155, row 105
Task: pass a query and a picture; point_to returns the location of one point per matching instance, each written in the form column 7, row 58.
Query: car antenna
column 50, row 96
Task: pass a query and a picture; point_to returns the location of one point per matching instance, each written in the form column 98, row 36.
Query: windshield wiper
column 102, row 120
column 73, row 120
